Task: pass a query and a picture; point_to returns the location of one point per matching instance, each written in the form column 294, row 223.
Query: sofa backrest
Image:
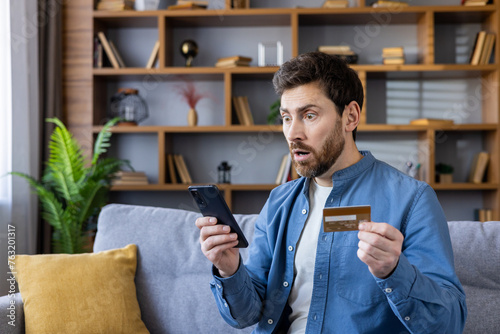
column 476, row 247
column 173, row 275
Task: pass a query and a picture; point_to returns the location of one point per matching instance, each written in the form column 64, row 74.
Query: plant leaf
column 102, row 141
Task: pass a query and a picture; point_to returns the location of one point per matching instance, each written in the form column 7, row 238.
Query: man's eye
column 285, row 118
column 309, row 116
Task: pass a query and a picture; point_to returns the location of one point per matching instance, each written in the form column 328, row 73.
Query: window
column 5, row 106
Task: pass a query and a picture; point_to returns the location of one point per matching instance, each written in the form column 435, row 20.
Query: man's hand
column 217, row 245
column 380, row 246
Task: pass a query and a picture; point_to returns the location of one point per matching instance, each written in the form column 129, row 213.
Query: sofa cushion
column 173, row 275
column 82, row 293
column 476, row 247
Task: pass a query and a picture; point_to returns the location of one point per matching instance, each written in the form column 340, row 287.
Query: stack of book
column 475, row 2
column 242, row 108
column 115, row 4
column 233, row 61
column 478, row 168
column 483, row 215
column 336, row 50
column 177, row 171
column 393, row 56
column 432, row 122
column 483, row 48
column 388, row 3
column 187, row 5
column 124, row 178
column 342, row 51
column 112, row 54
column 336, row 4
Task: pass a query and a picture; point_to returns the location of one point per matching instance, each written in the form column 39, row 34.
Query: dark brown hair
column 339, row 82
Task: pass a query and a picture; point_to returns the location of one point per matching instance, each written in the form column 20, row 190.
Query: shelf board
column 192, row 129
column 267, row 72
column 278, row 128
column 410, row 127
column 201, row 72
column 282, row 16
column 465, row 186
column 183, row 187
column 269, row 187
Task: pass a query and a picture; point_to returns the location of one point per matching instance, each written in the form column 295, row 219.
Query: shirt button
column 315, row 317
column 290, row 248
column 270, row 321
column 320, row 276
column 218, row 285
column 304, row 211
column 324, row 238
column 388, row 290
column 285, row 284
column 407, row 318
column 225, row 304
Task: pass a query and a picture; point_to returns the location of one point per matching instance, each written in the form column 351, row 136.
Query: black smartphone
column 212, row 204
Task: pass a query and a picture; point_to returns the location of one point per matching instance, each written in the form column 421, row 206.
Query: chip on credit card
column 345, row 218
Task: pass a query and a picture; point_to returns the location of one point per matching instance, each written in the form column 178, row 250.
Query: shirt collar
column 348, row 172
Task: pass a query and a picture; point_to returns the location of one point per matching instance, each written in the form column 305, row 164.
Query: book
column 387, row 3
column 171, row 169
column 180, row 164
column 432, row 121
column 123, row 178
column 286, row 173
column 235, row 58
column 107, row 49
column 199, row 3
column 186, row 6
column 487, row 49
column 336, row 49
column 117, row 54
column 393, row 52
column 478, row 167
column 232, row 63
column 115, row 5
column 475, row 2
column 238, row 110
column 247, row 114
column 393, row 61
column 335, row 4
column 478, row 47
column 154, row 55
column 282, row 168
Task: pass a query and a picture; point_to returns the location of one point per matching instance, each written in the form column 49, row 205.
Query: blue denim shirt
column 423, row 294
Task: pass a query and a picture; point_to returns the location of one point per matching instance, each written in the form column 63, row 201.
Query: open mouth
column 300, row 155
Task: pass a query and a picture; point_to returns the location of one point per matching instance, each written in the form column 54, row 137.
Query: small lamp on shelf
column 224, row 172
column 128, row 106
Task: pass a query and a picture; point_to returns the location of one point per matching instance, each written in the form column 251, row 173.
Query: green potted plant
column 272, row 117
column 71, row 190
column 444, row 173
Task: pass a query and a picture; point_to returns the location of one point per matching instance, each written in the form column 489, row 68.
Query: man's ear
column 352, row 114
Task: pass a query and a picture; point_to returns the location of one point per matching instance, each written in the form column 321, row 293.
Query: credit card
column 345, row 218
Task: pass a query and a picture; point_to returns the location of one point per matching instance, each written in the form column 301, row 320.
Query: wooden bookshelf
column 86, row 98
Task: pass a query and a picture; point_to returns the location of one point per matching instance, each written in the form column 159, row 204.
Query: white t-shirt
column 305, row 259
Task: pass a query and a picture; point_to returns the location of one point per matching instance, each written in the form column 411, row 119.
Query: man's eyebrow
column 300, row 109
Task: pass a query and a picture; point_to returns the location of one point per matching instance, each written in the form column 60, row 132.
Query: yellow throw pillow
column 81, row 293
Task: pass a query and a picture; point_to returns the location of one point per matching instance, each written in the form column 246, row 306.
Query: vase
column 445, row 178
column 192, row 117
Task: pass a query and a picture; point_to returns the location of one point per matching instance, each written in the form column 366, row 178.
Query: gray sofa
column 173, row 276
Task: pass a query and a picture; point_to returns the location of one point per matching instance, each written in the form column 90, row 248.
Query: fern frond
column 52, row 209
column 66, row 158
column 103, row 138
column 106, row 168
column 90, row 200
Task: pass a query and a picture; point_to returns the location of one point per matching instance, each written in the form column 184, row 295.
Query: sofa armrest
column 11, row 314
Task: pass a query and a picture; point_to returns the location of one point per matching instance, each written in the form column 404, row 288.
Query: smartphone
column 212, row 204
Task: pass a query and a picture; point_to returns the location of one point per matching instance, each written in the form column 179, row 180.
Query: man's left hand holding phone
column 218, row 241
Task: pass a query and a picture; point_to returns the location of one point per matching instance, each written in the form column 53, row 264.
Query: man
column 392, row 277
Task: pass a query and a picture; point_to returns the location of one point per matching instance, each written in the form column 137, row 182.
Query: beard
column 323, row 159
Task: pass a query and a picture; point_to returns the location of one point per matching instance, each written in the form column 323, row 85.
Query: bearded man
column 395, row 275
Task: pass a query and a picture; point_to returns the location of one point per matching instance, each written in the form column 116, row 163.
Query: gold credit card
column 345, row 218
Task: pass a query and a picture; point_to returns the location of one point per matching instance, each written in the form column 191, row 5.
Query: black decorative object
column 128, row 106
column 224, row 172
column 189, row 50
